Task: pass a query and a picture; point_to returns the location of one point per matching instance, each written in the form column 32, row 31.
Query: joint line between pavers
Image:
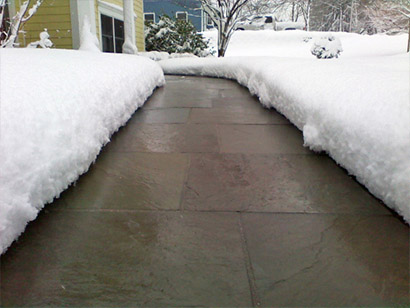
column 249, row 269
column 185, row 184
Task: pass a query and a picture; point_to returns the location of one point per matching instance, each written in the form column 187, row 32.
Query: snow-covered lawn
column 356, row 108
column 58, row 108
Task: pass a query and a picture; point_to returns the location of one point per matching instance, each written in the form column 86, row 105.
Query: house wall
column 170, row 7
column 139, row 21
column 53, row 15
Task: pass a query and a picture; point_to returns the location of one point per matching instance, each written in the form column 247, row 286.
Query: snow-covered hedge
column 58, row 108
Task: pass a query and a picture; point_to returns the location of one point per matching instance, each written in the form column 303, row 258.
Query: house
column 63, row 20
column 178, row 9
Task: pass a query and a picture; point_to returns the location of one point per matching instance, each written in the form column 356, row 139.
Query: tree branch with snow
column 18, row 21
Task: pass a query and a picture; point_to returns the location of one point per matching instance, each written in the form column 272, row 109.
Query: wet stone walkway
column 206, row 199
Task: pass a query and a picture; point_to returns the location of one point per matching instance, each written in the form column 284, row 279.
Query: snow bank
column 355, row 109
column 297, row 44
column 58, row 108
column 163, row 55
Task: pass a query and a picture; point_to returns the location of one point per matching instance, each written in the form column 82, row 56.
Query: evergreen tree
column 172, row 36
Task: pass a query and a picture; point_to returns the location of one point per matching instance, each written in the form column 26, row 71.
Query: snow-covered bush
column 327, row 47
column 173, row 36
column 44, row 41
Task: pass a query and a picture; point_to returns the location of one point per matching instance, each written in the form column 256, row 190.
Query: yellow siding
column 53, row 15
column 97, row 21
column 139, row 22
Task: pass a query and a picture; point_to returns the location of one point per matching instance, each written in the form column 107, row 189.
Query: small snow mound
column 327, row 47
column 182, row 55
column 89, row 41
column 154, row 55
column 312, row 139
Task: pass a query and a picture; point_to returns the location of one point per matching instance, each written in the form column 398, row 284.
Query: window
column 112, row 32
column 209, row 21
column 182, row 16
column 149, row 17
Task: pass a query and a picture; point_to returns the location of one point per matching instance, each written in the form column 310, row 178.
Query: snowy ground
column 356, row 108
column 58, row 108
column 297, row 44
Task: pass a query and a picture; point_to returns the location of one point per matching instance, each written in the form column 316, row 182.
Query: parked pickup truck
column 257, row 23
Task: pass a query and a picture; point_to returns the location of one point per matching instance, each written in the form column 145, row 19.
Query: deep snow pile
column 357, row 109
column 297, row 44
column 58, row 108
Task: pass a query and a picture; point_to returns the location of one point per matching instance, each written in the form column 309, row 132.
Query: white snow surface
column 355, row 108
column 58, row 108
column 297, row 43
column 88, row 40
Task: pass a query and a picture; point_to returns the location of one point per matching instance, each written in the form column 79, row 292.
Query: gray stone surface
column 258, row 139
column 329, row 260
column 205, row 198
column 165, row 116
column 166, row 138
column 130, row 181
column 266, row 183
column 127, row 259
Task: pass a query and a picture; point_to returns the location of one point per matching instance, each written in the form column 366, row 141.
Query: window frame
column 113, row 11
column 153, row 16
column 178, row 12
column 114, row 37
column 209, row 21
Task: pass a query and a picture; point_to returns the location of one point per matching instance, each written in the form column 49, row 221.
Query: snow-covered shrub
column 44, row 41
column 327, row 47
column 173, row 36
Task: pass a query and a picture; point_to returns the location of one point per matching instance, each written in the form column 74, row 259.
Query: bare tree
column 17, row 22
column 388, row 16
column 225, row 14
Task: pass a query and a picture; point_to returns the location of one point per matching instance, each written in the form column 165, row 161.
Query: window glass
column 119, row 28
column 107, row 34
column 150, row 17
column 112, row 32
column 182, row 16
column 106, row 25
column 107, row 43
column 269, row 20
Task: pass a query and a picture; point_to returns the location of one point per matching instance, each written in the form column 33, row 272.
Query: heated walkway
column 206, row 199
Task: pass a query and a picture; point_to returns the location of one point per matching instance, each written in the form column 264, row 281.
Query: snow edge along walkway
column 58, row 109
column 356, row 110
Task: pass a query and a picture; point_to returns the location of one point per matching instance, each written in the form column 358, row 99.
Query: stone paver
column 205, row 198
column 122, row 259
column 130, row 181
column 337, row 261
column 166, row 138
column 261, row 139
column 281, row 183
